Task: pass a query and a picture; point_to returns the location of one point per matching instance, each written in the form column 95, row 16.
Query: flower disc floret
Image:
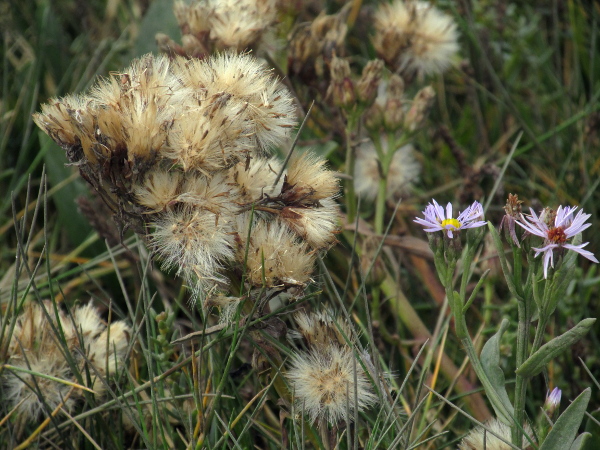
column 438, row 219
column 557, row 233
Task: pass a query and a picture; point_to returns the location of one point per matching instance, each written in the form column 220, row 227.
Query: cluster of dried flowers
column 95, row 350
column 331, row 380
column 177, row 148
column 216, row 25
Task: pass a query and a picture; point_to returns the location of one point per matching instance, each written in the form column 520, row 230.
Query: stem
column 350, row 163
column 385, row 158
column 521, row 382
column 524, row 314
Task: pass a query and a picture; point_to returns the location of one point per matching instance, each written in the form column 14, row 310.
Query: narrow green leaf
column 536, row 362
column 562, row 435
column 580, row 441
column 490, row 360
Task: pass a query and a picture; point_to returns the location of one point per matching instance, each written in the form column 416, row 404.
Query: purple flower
column 556, row 229
column 436, row 219
column 553, row 400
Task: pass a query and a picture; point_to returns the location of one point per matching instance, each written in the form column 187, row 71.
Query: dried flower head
column 255, row 178
column 322, row 329
column 330, row 384
column 557, row 228
column 241, row 81
column 35, row 346
column 419, row 110
column 273, row 254
column 368, row 84
column 324, row 36
column 393, row 104
column 158, row 189
column 210, row 194
column 317, row 224
column 482, row 439
column 414, row 37
column 209, row 25
column 341, row 89
column 308, row 180
column 403, row 172
column 436, row 219
column 194, row 242
column 513, row 213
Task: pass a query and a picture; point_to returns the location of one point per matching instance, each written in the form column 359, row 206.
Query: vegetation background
column 526, row 67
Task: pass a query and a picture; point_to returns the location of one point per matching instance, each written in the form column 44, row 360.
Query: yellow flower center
column 455, row 223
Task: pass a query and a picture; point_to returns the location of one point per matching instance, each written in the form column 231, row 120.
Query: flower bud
column 341, row 89
column 393, row 115
column 420, row 108
column 374, row 118
column 552, row 401
column 369, row 82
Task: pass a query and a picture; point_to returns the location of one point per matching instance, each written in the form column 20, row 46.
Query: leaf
column 76, row 227
column 158, row 19
column 562, row 435
column 580, row 441
column 490, row 360
column 536, row 362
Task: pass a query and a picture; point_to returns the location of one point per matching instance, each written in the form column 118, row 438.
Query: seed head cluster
column 329, row 382
column 179, row 149
column 95, row 348
column 217, row 25
column 414, row 37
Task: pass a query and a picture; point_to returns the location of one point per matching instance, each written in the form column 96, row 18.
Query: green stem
column 521, row 382
column 350, row 163
column 384, row 168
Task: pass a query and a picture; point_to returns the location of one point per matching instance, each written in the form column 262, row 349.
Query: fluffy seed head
column 195, row 242
column 254, row 179
column 403, row 173
column 273, row 252
column 34, row 346
column 480, row 438
column 317, row 224
column 158, row 189
column 308, row 180
column 210, row 194
column 322, row 329
column 323, row 384
column 266, row 108
column 224, row 24
column 414, row 37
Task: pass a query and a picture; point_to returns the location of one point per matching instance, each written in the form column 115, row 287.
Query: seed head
column 403, row 173
column 34, row 345
column 317, row 225
column 414, row 37
column 274, row 252
column 308, row 180
column 195, row 243
column 482, row 439
column 158, row 189
column 323, row 384
column 322, row 329
column 254, row 179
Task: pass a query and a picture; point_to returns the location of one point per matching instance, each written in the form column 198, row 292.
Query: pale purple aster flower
column 438, row 219
column 553, row 400
column 557, row 234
